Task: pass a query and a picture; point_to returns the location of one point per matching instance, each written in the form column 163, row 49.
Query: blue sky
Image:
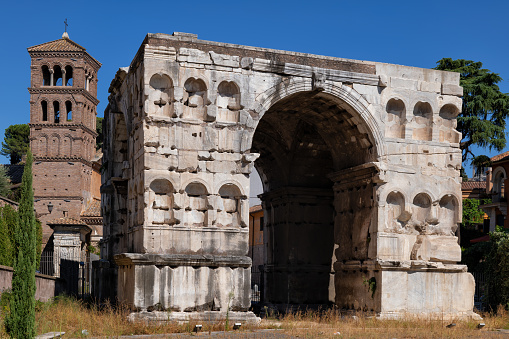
column 413, row 33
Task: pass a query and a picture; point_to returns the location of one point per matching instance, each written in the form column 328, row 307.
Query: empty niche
column 423, row 116
column 228, row 102
column 66, row 146
column 195, row 99
column 448, row 214
column 396, row 215
column 42, row 148
column 447, row 124
column 395, row 118
column 54, row 147
column 230, row 207
column 422, row 211
column 161, row 201
column 195, row 213
column 161, row 95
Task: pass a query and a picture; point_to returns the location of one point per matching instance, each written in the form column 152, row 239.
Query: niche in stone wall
column 447, row 124
column 195, row 99
column 448, row 214
column 421, row 211
column 396, row 214
column 395, row 118
column 229, row 210
column 423, row 118
column 196, row 205
column 160, row 200
column 228, row 102
column 161, row 95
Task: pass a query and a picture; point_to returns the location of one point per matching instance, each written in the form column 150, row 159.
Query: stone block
column 450, row 89
column 187, row 160
column 224, row 60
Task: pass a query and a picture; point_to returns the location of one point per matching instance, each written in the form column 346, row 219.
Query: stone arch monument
column 360, row 168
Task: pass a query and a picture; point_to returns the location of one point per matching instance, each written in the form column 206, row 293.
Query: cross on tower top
column 65, row 23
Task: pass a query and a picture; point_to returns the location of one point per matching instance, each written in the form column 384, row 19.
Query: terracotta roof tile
column 66, row 221
column 471, row 185
column 93, row 209
column 60, row 45
column 499, row 157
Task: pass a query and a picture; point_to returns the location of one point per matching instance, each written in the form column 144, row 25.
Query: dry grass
column 71, row 316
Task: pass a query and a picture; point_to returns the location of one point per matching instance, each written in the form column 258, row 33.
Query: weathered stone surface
column 359, row 161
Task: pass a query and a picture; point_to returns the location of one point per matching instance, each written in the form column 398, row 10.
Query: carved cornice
column 62, row 159
column 206, row 260
column 65, row 125
column 63, row 90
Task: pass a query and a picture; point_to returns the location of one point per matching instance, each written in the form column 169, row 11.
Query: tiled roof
column 15, row 173
column 66, row 221
column 93, row 209
column 499, row 157
column 472, row 185
column 60, row 45
column 255, row 208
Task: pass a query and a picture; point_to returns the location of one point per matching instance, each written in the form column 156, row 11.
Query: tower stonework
column 63, row 101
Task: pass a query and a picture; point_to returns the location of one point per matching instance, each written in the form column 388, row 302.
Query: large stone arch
column 303, row 132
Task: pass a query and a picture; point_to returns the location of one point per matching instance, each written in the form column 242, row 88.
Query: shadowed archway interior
column 304, row 140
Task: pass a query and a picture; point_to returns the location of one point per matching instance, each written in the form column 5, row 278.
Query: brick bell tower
column 63, row 102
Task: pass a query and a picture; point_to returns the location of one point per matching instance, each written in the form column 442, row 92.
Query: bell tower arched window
column 56, row 111
column 68, row 76
column 44, row 108
column 46, row 76
column 57, row 76
column 68, row 109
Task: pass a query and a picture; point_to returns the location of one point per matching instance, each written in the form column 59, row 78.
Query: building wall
column 256, row 246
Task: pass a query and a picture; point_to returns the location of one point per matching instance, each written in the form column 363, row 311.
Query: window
column 68, row 109
column 68, row 76
column 56, row 111
column 46, row 76
column 44, row 106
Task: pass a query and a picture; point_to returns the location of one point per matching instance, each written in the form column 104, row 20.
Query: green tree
column 20, row 321
column 16, row 142
column 5, row 182
column 99, row 130
column 485, row 109
column 6, row 248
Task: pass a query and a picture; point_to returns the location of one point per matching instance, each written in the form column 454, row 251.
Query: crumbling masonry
column 360, row 166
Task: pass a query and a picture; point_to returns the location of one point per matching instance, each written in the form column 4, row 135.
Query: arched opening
column 196, row 205
column 68, row 109
column 318, row 199
column 395, row 118
column 44, row 108
column 447, row 124
column 46, row 76
column 229, row 214
column 195, row 97
column 161, row 96
column 423, row 117
column 228, row 102
column 498, row 190
column 56, row 111
column 57, row 76
column 161, row 201
column 68, row 76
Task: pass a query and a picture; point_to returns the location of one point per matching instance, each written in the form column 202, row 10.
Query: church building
column 66, row 170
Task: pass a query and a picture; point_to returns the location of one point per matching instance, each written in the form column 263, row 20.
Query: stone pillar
column 51, row 83
column 298, row 236
column 63, row 77
column 69, row 243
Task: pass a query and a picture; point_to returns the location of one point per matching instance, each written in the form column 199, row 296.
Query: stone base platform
column 464, row 316
column 157, row 317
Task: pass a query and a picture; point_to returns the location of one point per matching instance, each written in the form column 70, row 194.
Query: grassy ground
column 71, row 316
